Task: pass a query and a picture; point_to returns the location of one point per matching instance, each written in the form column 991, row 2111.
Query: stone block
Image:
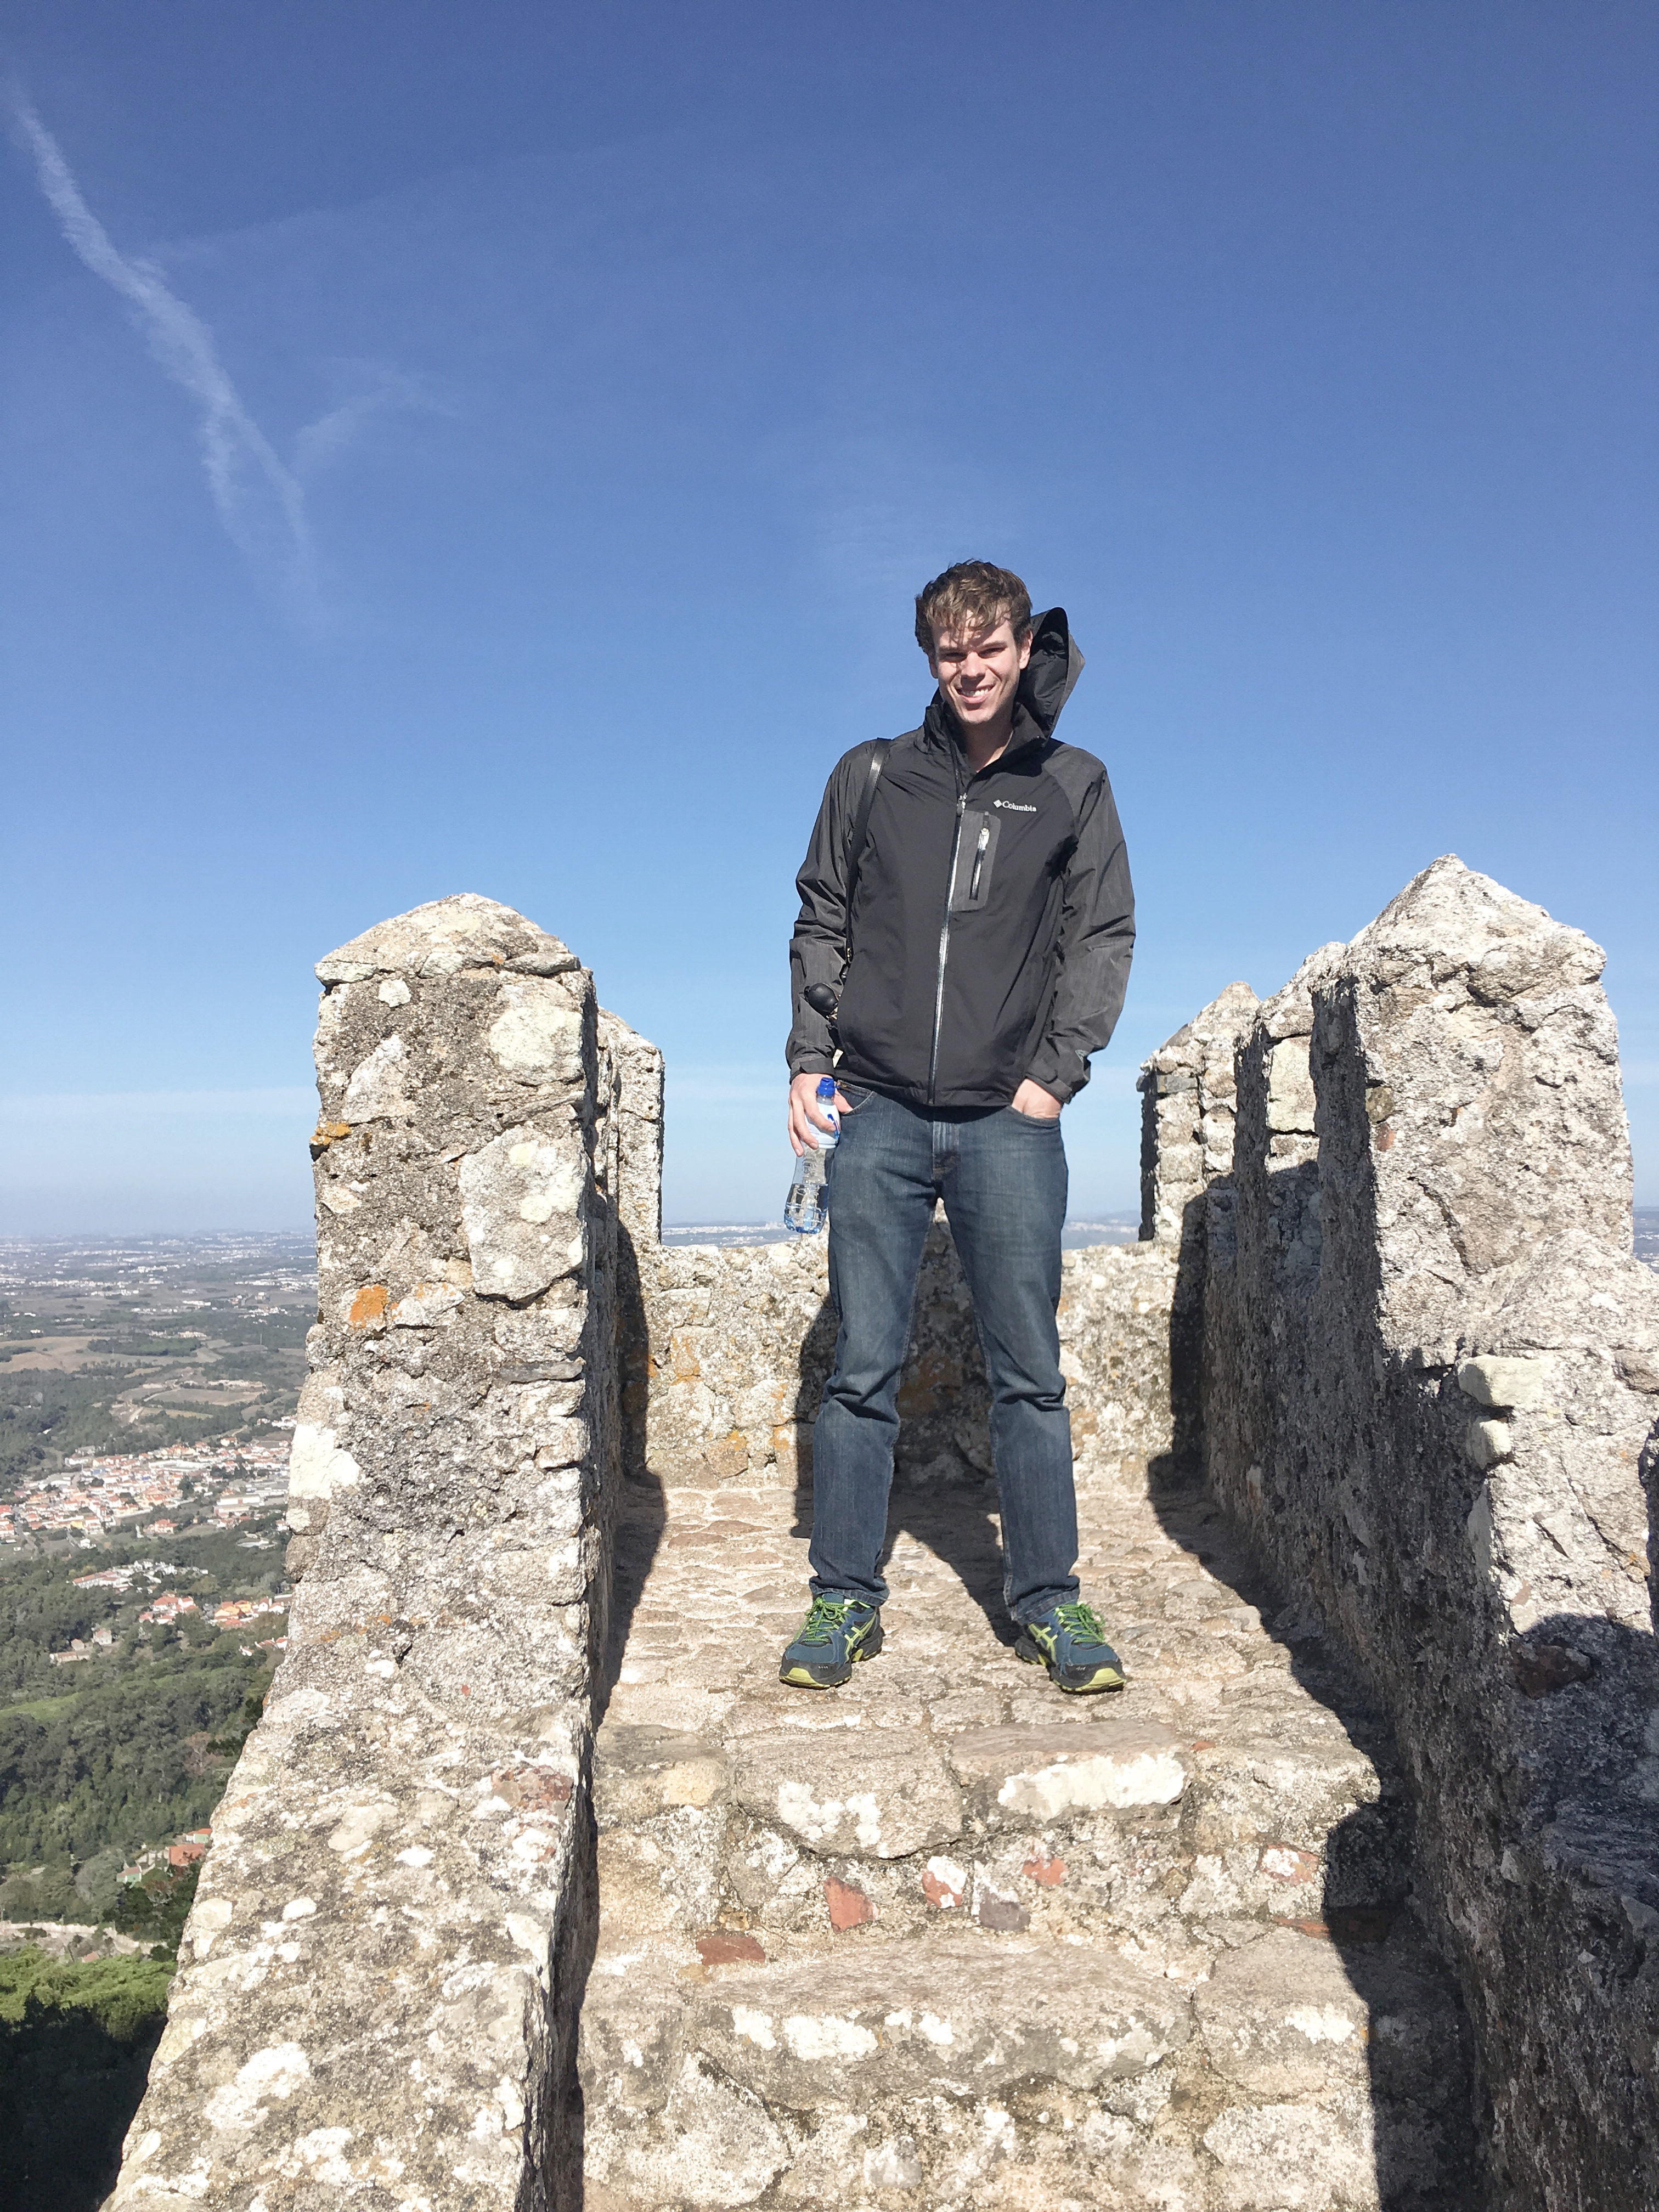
column 1289, row 1088
column 520, row 1205
column 1035, row 1776
column 849, row 1793
column 1292, row 2158
column 714, row 2146
column 1488, row 1443
column 903, row 2020
column 1507, row 1385
column 632, row 2035
column 1260, row 1790
column 1281, row 2020
column 640, row 1771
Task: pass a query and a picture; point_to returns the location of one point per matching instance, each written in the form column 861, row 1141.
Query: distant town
column 141, row 1493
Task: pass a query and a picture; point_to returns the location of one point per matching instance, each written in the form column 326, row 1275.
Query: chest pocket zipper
column 975, row 865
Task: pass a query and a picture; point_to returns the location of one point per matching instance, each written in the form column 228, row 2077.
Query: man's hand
column 1030, row 1098
column 807, row 1114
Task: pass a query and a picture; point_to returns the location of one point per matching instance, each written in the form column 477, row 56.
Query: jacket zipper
column 944, row 946
column 979, row 860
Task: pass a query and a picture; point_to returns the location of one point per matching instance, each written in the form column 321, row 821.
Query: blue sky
column 494, row 450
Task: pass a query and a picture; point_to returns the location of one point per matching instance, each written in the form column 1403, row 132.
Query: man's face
column 979, row 671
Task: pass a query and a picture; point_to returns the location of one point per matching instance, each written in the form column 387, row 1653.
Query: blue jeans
column 1002, row 1177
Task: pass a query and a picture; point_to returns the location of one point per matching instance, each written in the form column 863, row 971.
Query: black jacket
column 994, row 918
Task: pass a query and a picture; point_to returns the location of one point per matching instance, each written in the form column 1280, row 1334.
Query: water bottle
column 805, row 1209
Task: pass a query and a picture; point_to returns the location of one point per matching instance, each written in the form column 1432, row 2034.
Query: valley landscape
column 147, row 1393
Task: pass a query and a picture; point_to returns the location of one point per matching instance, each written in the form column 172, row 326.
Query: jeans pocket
column 855, row 1094
column 1034, row 1121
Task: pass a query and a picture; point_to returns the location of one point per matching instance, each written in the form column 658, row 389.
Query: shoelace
column 826, row 1616
column 1081, row 1621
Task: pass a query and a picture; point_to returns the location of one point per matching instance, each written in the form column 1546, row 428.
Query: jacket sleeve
column 816, row 951
column 1097, row 941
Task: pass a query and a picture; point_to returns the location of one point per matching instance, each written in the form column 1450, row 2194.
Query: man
column 990, row 923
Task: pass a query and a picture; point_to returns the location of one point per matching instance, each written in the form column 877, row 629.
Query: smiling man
column 966, row 925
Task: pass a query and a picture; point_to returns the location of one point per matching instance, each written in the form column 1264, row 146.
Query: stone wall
column 733, row 1344
column 741, row 1342
column 1426, row 1376
column 370, row 2004
column 1384, row 1297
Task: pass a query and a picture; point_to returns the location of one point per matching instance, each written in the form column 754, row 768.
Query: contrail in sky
column 233, row 448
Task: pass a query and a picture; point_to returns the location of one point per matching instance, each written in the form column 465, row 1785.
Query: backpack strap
column 878, row 753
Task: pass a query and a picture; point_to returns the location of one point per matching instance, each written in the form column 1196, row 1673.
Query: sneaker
column 1069, row 1641
column 838, row 1632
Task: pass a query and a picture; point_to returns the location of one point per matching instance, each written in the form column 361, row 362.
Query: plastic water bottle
column 805, row 1209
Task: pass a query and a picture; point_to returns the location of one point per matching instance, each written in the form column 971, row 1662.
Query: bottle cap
column 826, row 1086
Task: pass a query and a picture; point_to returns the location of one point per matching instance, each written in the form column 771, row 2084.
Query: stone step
column 1112, row 1824
column 948, row 1940
column 958, row 2068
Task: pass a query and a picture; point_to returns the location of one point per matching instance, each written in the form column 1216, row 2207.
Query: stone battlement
column 532, row 1887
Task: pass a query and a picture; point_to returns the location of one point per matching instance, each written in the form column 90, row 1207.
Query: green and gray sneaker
column 1069, row 1641
column 838, row 1632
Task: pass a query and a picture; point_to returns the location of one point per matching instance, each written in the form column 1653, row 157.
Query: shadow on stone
column 817, row 1355
column 636, row 1532
column 1176, row 1470
column 638, row 1511
column 1420, row 2055
column 634, row 1529
column 1421, row 2047
column 1590, row 1687
column 967, row 1540
column 563, row 2130
column 69, row 2088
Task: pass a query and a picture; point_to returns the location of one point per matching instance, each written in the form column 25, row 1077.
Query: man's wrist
column 1052, row 1084
column 1035, row 1099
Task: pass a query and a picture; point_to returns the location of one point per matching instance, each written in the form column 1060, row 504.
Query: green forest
column 134, row 1746
column 99, row 1765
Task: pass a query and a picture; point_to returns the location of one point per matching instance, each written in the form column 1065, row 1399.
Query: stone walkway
column 946, row 1938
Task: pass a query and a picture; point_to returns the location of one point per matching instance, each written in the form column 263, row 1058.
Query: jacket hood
column 1054, row 668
